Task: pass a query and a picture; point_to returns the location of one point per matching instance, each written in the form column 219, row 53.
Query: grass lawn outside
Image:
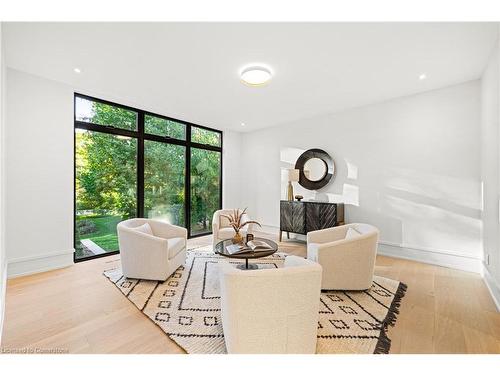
column 197, row 228
column 105, row 234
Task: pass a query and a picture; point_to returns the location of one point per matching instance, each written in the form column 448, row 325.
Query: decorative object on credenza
column 316, row 169
column 293, row 176
column 249, row 237
column 236, row 222
column 299, row 197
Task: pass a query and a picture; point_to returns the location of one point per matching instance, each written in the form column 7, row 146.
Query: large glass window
column 205, row 188
column 106, row 183
column 131, row 163
column 164, row 180
column 164, row 128
column 104, row 114
column 205, row 136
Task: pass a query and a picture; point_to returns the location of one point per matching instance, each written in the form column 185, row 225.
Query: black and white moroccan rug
column 187, row 307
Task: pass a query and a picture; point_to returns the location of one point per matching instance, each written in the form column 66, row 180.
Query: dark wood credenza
column 304, row 217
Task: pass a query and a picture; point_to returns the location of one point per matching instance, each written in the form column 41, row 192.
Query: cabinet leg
column 280, row 234
column 288, row 235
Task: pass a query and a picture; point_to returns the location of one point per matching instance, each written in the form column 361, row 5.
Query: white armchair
column 152, row 256
column 271, row 310
column 348, row 263
column 221, row 230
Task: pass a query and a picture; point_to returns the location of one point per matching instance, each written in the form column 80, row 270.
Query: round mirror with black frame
column 316, row 169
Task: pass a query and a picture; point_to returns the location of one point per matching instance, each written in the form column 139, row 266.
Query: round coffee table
column 220, row 249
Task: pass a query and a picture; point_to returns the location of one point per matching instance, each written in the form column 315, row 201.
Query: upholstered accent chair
column 347, row 254
column 221, row 230
column 271, row 310
column 151, row 249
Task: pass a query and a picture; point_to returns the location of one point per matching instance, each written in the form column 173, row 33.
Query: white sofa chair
column 347, row 254
column 151, row 254
column 221, row 230
column 271, row 310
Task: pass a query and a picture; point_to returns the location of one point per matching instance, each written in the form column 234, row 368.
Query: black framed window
column 164, row 127
column 99, row 113
column 133, row 163
column 206, row 136
column 205, row 189
column 164, row 181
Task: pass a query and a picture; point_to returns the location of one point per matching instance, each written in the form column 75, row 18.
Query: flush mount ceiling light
column 255, row 75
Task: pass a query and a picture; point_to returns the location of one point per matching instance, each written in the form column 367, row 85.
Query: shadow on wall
column 411, row 208
column 288, row 157
column 438, row 211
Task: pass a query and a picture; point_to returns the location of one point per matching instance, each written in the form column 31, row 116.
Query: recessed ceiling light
column 242, row 124
column 422, row 76
column 77, row 70
column 255, row 75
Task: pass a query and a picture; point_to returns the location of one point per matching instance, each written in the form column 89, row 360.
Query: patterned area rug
column 187, row 307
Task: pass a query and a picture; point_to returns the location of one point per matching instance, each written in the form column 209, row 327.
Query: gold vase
column 237, row 238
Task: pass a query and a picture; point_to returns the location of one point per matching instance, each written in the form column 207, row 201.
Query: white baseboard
column 270, row 229
column 438, row 257
column 444, row 258
column 492, row 286
column 2, row 298
column 39, row 263
column 267, row 229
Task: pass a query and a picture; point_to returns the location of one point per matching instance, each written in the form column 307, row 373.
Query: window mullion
column 187, row 184
column 140, row 165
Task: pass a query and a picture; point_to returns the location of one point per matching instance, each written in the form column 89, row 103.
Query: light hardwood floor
column 77, row 309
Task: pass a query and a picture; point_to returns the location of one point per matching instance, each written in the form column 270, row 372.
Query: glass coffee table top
column 220, row 248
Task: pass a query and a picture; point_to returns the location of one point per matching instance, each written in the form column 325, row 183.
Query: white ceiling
column 191, row 70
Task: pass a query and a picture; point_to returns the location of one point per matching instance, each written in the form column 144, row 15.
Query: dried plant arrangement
column 235, row 221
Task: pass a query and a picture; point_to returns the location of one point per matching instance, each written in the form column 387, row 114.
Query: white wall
column 39, row 159
column 410, row 166
column 39, row 174
column 3, row 263
column 490, row 168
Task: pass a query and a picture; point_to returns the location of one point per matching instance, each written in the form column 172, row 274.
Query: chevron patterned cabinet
column 303, row 217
